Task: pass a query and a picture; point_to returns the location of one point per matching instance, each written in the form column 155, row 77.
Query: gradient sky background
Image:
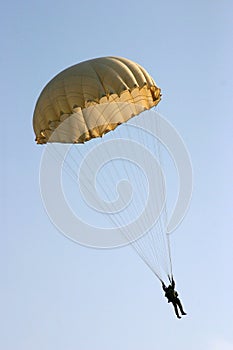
column 56, row 294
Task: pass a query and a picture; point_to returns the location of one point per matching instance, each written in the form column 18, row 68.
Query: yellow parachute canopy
column 92, row 98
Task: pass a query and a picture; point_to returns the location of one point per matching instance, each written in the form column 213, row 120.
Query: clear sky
column 56, row 294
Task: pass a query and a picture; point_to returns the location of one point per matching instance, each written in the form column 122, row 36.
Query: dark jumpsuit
column 172, row 296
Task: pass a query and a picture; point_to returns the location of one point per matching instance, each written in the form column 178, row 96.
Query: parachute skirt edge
column 97, row 119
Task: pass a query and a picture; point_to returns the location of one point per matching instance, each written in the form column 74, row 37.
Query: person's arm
column 164, row 287
column 173, row 283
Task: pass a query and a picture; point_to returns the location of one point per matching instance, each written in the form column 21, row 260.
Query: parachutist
column 172, row 296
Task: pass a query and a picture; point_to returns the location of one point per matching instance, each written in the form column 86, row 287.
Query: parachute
column 89, row 100
column 111, row 80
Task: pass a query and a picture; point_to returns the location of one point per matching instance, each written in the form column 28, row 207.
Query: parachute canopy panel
column 92, row 98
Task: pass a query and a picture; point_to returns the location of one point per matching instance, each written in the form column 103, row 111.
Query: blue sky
column 56, row 294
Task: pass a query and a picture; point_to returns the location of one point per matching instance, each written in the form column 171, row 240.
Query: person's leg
column 176, row 309
column 180, row 306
